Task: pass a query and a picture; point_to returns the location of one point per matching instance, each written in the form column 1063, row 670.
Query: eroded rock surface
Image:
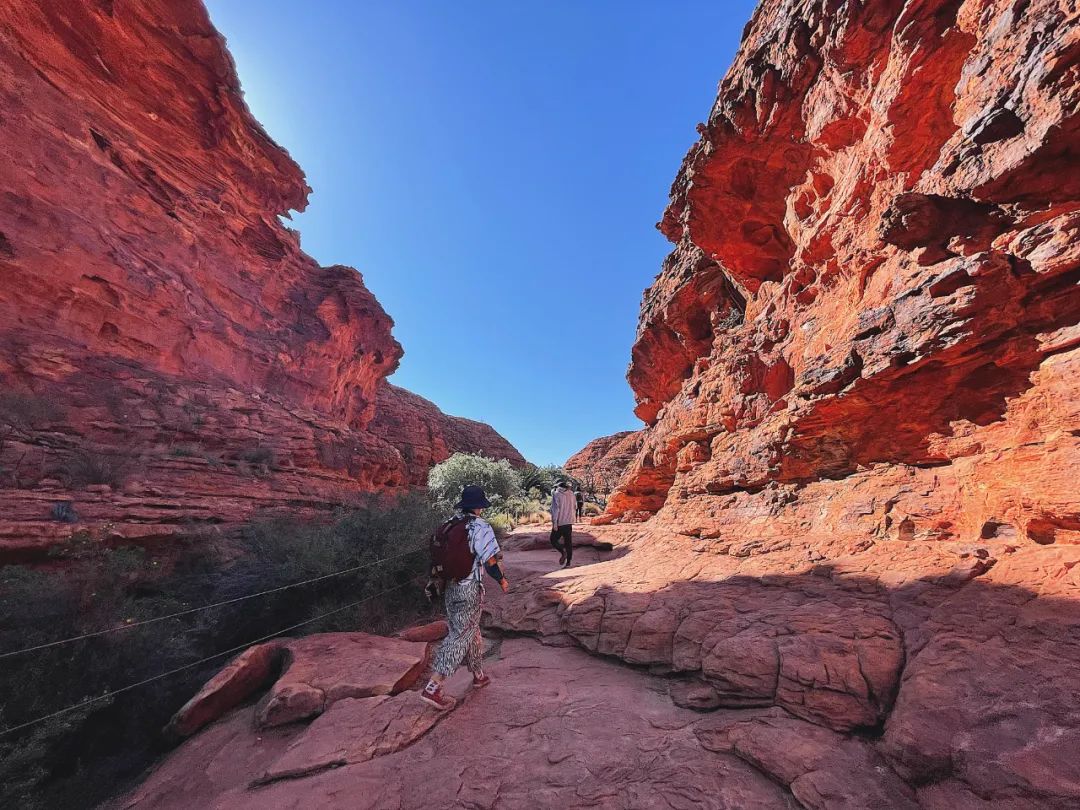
column 602, row 463
column 170, row 360
column 954, row 661
column 899, row 675
column 552, row 730
column 868, row 326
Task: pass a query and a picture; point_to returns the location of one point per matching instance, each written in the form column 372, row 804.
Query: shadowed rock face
column 869, row 323
column 163, row 339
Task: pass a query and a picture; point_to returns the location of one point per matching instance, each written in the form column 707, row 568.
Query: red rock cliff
column 425, row 435
column 868, row 326
column 168, row 355
column 602, row 463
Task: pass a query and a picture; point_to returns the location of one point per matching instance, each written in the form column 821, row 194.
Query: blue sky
column 495, row 170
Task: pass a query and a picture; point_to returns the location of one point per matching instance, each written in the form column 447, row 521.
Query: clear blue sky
column 495, row 170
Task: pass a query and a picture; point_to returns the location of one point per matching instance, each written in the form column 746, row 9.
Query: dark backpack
column 451, row 557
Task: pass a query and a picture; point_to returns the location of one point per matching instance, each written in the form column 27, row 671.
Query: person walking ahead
column 462, row 549
column 563, row 509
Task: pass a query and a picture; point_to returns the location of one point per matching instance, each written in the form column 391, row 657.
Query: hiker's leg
column 569, row 538
column 556, row 543
column 454, row 647
column 474, row 649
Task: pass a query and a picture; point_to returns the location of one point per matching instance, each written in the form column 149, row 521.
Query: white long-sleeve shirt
column 563, row 507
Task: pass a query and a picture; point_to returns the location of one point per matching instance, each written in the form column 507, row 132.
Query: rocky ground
column 891, row 676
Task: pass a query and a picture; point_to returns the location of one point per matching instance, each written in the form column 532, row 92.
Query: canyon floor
column 855, row 713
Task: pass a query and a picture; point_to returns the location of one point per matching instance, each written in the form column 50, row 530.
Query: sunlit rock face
column 169, row 357
column 425, row 435
column 868, row 326
column 602, row 463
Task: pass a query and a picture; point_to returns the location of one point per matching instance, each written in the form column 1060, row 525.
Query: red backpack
column 451, row 557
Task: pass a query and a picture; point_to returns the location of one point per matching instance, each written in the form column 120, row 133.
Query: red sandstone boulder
column 322, row 669
column 248, row 673
column 305, row 676
column 432, row 631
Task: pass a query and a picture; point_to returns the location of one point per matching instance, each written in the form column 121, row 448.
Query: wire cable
column 189, row 611
column 158, row 677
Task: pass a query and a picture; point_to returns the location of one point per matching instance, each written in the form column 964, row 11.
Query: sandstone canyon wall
column 602, row 463
column 868, row 326
column 169, row 358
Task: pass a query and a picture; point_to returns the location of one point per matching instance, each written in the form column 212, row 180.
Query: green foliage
column 74, row 761
column 500, row 481
column 501, row 523
column 538, row 482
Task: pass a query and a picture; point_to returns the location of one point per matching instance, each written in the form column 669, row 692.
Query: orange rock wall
column 169, row 357
column 425, row 436
column 868, row 328
column 602, row 463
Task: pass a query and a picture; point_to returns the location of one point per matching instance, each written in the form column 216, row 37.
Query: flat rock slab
column 355, row 730
column 557, row 728
column 824, row 770
column 325, row 668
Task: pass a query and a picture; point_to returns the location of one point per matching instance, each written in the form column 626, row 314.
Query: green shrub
column 538, row 482
column 501, row 522
column 500, row 481
column 592, row 510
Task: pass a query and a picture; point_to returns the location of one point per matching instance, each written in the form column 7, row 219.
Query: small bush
column 258, row 455
column 64, row 512
column 501, row 523
column 499, row 480
column 88, row 467
column 592, row 510
column 538, row 482
column 259, row 458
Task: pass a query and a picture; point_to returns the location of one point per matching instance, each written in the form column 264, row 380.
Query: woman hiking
column 462, row 549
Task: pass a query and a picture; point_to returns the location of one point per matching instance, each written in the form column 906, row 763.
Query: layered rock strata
column 602, row 463
column 169, row 357
column 869, row 324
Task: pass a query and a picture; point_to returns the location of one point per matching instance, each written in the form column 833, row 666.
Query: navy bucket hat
column 473, row 497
